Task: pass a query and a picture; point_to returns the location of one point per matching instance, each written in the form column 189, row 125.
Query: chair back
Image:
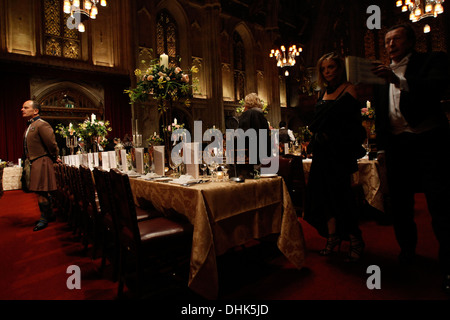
column 105, row 194
column 285, row 170
column 125, row 207
column 89, row 190
column 297, row 181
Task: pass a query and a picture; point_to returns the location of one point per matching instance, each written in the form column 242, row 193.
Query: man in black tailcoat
column 413, row 140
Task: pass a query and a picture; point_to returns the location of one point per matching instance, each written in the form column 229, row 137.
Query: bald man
column 41, row 150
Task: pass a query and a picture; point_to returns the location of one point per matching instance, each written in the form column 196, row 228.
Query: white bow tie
column 400, row 64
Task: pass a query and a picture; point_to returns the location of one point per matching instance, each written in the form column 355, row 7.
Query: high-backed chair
column 75, row 196
column 107, row 223
column 291, row 168
column 147, row 242
column 91, row 208
column 85, row 222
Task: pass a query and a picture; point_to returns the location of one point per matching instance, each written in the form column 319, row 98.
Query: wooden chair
column 84, row 221
column 291, row 169
column 91, row 209
column 73, row 197
column 147, row 243
column 107, row 223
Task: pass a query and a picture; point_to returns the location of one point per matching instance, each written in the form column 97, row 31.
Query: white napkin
column 184, row 179
column 150, row 176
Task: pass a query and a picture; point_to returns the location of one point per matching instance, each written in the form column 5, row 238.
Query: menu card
column 139, row 154
column 105, row 161
column 95, row 159
column 158, row 157
column 191, row 159
column 123, row 157
column 112, row 159
column 90, row 160
column 77, row 160
column 84, row 159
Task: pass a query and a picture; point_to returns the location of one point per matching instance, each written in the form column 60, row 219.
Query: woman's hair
column 252, row 101
column 340, row 69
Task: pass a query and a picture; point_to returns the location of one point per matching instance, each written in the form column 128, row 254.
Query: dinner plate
column 268, row 175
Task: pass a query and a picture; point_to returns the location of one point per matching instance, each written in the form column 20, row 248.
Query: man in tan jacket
column 41, row 149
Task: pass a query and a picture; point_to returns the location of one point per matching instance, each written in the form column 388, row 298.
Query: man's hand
column 381, row 158
column 386, row 73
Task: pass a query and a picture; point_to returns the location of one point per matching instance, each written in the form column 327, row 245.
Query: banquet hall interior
column 83, row 66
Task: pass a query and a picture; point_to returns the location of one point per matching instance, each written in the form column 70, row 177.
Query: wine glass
column 203, row 167
column 225, row 167
column 212, row 166
column 174, row 164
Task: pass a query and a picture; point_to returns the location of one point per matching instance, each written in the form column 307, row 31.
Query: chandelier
column 285, row 58
column 421, row 9
column 80, row 13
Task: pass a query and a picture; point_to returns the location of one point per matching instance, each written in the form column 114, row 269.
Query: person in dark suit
column 336, row 145
column 41, row 150
column 253, row 119
column 413, row 140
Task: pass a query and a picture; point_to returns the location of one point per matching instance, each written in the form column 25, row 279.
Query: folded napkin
column 184, row 179
column 150, row 176
column 132, row 173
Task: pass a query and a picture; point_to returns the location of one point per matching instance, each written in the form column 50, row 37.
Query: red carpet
column 33, row 265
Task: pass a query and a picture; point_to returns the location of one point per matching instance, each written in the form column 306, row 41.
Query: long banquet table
column 225, row 215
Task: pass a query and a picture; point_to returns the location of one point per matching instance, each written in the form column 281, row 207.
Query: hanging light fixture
column 85, row 9
column 285, row 58
column 421, row 9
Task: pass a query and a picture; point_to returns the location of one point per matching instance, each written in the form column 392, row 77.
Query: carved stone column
column 212, row 63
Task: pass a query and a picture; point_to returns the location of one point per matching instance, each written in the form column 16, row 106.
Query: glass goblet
column 203, row 167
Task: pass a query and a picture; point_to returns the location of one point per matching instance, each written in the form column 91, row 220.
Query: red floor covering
column 33, row 265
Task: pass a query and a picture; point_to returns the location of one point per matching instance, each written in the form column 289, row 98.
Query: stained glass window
column 59, row 39
column 167, row 37
column 239, row 67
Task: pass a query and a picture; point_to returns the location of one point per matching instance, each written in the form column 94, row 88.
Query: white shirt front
column 398, row 122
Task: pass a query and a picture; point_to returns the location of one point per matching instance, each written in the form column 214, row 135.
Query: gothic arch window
column 59, row 40
column 239, row 67
column 167, row 40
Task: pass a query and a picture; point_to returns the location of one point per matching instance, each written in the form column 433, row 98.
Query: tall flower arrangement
column 163, row 83
column 64, row 131
column 166, row 84
column 93, row 128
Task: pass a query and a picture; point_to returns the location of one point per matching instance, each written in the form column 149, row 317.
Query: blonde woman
column 253, row 118
column 336, row 145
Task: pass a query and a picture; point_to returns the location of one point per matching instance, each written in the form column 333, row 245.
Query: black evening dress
column 336, row 146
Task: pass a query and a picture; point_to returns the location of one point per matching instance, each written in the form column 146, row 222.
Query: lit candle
column 368, row 104
column 154, row 134
column 70, row 125
column 175, row 120
column 164, row 60
column 92, row 117
column 219, row 175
